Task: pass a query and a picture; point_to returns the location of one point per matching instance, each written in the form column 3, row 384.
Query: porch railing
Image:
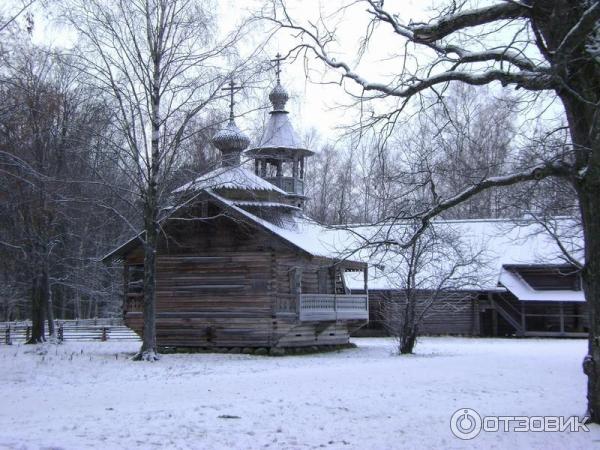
column 333, row 307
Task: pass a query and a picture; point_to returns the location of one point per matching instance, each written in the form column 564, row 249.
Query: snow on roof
column 230, row 178
column 501, row 242
column 265, row 204
column 302, row 232
column 279, row 134
column 520, row 289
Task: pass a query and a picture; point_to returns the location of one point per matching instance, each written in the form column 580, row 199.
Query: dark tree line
column 66, row 198
column 93, row 139
column 53, row 166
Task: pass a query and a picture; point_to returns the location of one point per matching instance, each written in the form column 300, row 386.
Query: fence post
column 7, row 336
column 61, row 333
column 104, row 334
column 27, row 334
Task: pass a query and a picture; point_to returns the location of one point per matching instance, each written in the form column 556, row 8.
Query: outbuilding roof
column 500, row 242
column 524, row 292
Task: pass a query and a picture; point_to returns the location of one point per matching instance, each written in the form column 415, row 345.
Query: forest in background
column 66, row 199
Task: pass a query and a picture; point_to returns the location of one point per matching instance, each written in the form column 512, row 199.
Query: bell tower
column 280, row 158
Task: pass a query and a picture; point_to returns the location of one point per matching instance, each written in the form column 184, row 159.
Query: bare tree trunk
column 407, row 344
column 584, row 125
column 48, row 295
column 149, row 351
column 590, row 208
column 50, row 314
column 39, row 302
column 408, row 337
column 77, row 304
column 588, row 189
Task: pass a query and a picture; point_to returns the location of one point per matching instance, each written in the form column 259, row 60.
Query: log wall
column 221, row 283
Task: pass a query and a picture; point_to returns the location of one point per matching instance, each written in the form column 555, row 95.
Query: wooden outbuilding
column 522, row 287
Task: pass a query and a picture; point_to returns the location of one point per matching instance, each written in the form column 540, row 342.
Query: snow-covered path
column 89, row 395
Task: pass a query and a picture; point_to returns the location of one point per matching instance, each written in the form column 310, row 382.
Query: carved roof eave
column 282, row 153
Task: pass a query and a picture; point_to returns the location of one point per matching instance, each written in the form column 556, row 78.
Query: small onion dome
column 278, row 97
column 231, row 142
column 230, row 139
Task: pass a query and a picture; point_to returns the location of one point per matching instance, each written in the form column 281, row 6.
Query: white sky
column 312, row 105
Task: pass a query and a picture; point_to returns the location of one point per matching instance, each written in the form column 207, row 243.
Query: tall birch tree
column 158, row 64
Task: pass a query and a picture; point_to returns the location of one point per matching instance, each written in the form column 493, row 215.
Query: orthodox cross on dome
column 232, row 88
column 277, row 61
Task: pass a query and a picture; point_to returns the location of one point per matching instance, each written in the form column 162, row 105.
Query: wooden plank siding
column 539, row 318
column 478, row 314
column 221, row 283
column 455, row 313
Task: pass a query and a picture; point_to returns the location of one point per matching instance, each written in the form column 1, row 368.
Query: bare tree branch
column 470, row 18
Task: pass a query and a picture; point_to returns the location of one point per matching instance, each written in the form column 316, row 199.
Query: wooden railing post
column 335, row 307
column 296, row 286
column 104, row 334
column 61, row 332
column 7, row 336
column 27, row 334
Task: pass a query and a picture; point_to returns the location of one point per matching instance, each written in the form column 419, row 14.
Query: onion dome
column 278, row 97
column 231, row 138
column 231, row 141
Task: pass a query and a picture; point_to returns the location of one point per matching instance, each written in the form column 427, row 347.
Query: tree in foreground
column 535, row 46
column 156, row 63
column 435, row 267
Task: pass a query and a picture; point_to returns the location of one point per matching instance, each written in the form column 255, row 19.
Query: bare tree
column 7, row 18
column 319, row 175
column 545, row 46
column 435, row 267
column 157, row 64
column 469, row 138
column 472, row 137
column 332, row 191
column 47, row 139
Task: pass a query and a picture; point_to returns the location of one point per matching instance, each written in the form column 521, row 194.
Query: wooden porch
column 318, row 307
column 534, row 318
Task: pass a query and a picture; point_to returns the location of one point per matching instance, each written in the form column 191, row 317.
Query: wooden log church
column 239, row 264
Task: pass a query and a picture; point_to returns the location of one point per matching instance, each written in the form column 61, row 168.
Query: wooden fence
column 70, row 330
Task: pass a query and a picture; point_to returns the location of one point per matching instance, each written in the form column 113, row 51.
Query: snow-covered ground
column 90, row 395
